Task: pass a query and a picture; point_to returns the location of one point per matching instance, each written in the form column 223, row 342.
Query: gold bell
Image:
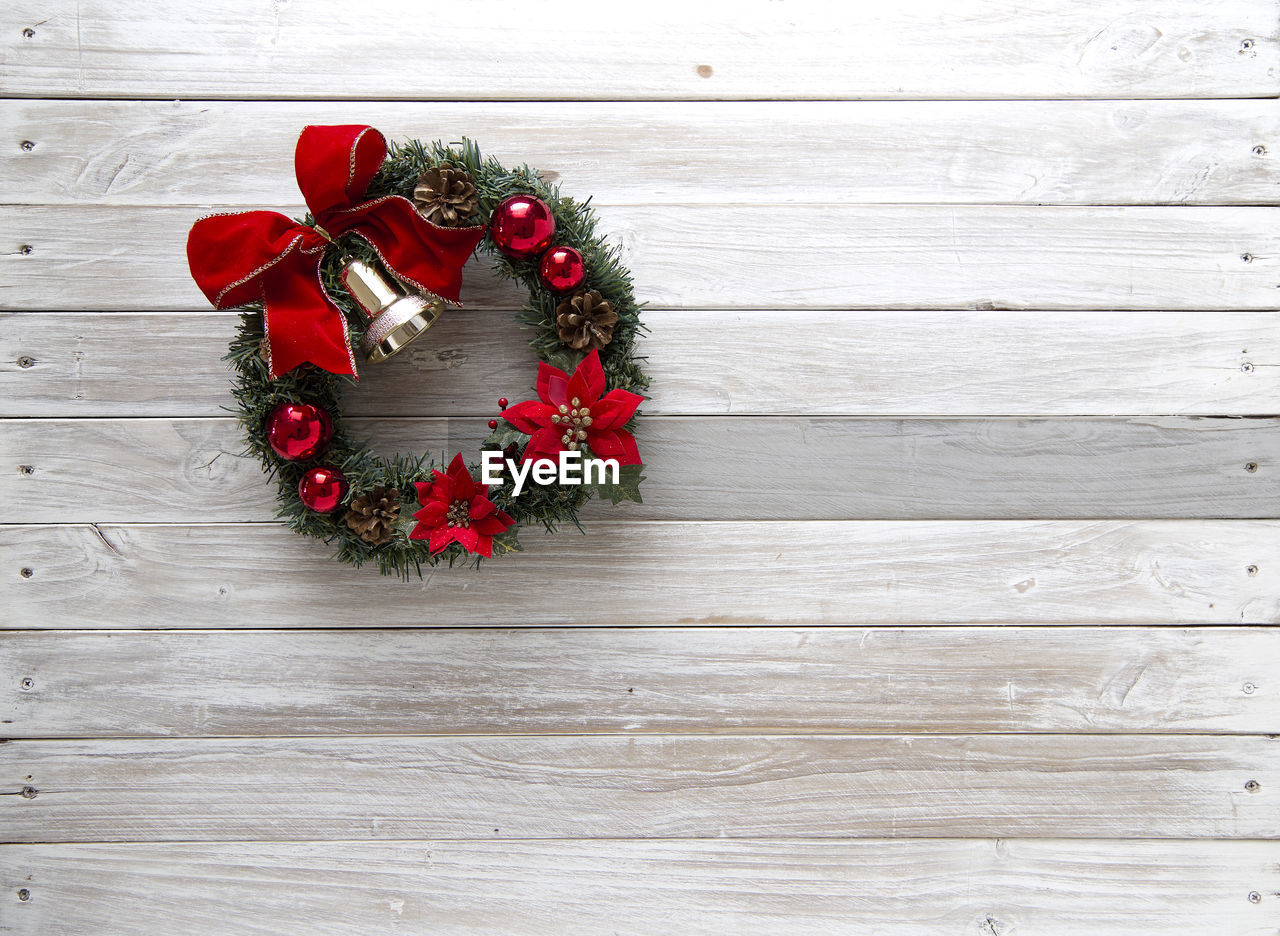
column 395, row 316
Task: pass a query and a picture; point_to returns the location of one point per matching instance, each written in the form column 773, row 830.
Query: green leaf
column 507, row 542
column 506, row 434
column 565, row 358
column 405, row 522
column 408, row 507
column 627, row 488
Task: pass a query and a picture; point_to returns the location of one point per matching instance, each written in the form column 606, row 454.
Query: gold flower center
column 459, row 514
column 574, row 421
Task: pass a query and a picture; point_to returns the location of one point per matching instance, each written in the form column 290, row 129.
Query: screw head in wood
column 27, row 684
column 1247, row 367
column 28, row 33
column 1251, row 467
column 27, row 146
column 25, row 250
column 1253, row 786
column 1246, row 45
column 26, row 572
column 1248, row 688
column 24, row 894
column 1255, row 897
column 29, row 792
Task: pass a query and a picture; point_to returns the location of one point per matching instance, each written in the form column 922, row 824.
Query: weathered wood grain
column 665, row 49
column 808, row 221
column 903, row 887
column 639, row 681
column 907, row 363
column 702, row 468
column 626, row 573
column 817, row 256
column 1015, row 152
column 644, row 786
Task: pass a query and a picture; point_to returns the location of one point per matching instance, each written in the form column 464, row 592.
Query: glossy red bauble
column 322, row 489
column 562, row 269
column 522, row 226
column 493, row 424
column 502, row 402
column 298, row 431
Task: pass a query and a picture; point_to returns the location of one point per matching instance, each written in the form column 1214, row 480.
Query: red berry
column 502, row 402
column 493, row 424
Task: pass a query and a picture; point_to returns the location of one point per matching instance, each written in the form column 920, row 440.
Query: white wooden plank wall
column 951, row 606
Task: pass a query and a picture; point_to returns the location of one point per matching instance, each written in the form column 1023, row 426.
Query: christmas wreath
column 375, row 262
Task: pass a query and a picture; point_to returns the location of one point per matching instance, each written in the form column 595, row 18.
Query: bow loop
column 227, row 253
column 262, row 256
column 334, row 166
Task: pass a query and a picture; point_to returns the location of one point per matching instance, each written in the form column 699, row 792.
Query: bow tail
column 296, row 334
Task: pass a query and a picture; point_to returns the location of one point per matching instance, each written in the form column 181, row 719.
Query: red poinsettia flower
column 571, row 411
column 457, row 510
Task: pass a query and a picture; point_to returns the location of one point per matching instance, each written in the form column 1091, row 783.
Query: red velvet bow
column 262, row 255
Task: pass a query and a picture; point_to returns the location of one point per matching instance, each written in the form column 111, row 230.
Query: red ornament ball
column 298, row 431
column 561, row 269
column 502, row 402
column 322, row 489
column 522, row 226
column 493, row 424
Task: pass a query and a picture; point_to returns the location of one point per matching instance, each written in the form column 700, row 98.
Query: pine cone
column 585, row 320
column 373, row 514
column 446, row 196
